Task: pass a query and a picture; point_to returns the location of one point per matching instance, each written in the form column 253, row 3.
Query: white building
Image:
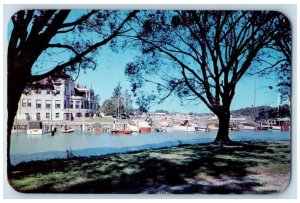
column 56, row 99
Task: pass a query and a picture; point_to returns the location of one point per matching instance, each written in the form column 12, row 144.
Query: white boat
column 276, row 127
column 67, row 130
column 184, row 126
column 202, row 128
column 247, row 127
column 35, row 128
column 165, row 129
column 132, row 125
column 139, row 126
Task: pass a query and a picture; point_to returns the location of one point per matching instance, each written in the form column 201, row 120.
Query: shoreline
column 240, row 168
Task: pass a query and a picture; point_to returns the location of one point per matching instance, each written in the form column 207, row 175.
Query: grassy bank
column 246, row 167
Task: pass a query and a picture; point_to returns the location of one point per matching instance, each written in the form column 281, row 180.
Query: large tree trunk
column 223, row 132
column 18, row 75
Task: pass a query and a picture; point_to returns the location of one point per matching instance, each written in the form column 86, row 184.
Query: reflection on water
column 28, row 147
column 34, row 136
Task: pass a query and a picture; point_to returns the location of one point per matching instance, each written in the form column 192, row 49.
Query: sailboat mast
column 254, row 101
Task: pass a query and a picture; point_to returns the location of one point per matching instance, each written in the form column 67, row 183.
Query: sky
column 110, row 72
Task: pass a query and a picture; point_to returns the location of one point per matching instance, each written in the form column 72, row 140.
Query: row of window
column 81, row 115
column 38, row 91
column 48, row 104
column 38, row 103
column 38, row 116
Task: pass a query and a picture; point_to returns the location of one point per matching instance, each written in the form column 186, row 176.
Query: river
column 41, row 147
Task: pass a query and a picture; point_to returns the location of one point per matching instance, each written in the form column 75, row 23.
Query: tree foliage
column 202, row 55
column 119, row 103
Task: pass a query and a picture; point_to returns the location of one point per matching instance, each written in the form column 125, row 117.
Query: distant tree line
column 264, row 112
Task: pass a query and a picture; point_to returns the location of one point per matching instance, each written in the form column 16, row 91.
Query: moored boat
column 139, row 126
column 96, row 128
column 67, row 130
column 124, row 131
column 132, row 125
column 234, row 127
column 35, row 128
column 184, row 126
column 144, row 129
column 203, row 129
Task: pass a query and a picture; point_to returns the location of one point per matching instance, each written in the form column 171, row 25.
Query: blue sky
column 110, row 72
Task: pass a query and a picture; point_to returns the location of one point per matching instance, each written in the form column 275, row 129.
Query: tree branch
column 79, row 56
column 63, row 46
column 80, row 20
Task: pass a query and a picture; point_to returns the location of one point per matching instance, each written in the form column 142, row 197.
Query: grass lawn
column 241, row 168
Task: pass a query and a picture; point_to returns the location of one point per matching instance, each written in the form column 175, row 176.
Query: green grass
column 242, row 168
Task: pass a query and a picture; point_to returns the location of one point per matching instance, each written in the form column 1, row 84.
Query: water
column 40, row 147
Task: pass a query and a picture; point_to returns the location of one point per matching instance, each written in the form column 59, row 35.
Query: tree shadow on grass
column 204, row 169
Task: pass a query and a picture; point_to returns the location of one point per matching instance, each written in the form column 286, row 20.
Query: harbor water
column 42, row 147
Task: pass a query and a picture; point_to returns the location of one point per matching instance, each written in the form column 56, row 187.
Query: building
column 56, row 99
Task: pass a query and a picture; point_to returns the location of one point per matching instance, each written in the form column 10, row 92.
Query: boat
column 132, row 125
column 184, row 126
column 248, row 125
column 35, row 128
column 262, row 126
column 203, row 129
column 144, row 127
column 164, row 129
column 139, row 126
column 234, row 127
column 123, row 131
column 96, row 128
column 67, row 130
column 282, row 124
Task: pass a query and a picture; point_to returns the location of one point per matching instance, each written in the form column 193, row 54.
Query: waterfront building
column 56, row 99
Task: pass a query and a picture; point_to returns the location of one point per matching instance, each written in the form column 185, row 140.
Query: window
column 57, row 115
column 23, row 102
column 57, row 104
column 71, row 104
column 48, row 91
column 48, row 104
column 38, row 104
column 78, row 114
column 77, row 104
column 38, row 116
column 29, row 102
column 47, row 115
column 38, row 91
column 57, row 91
column 27, row 116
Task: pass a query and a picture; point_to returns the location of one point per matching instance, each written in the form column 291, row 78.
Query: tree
column 202, row 55
column 284, row 45
column 127, row 102
column 119, row 103
column 282, row 68
column 109, row 107
column 117, row 98
column 38, row 32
